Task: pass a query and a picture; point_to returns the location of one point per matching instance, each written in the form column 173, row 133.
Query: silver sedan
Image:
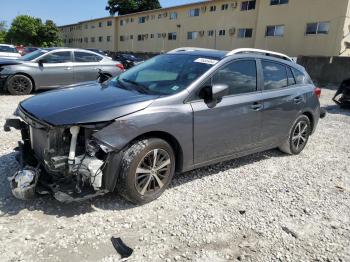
column 50, row 68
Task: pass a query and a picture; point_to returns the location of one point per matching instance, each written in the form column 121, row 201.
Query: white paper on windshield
column 206, row 61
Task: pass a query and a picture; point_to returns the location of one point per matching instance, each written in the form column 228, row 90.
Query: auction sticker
column 206, row 61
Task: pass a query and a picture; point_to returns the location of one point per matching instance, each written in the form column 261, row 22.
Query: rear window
column 85, row 57
column 301, row 78
column 275, row 75
column 8, row 49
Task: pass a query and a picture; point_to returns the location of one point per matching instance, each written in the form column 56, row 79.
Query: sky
column 63, row 11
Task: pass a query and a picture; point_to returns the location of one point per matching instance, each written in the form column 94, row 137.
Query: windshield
column 165, row 74
column 33, row 55
column 8, row 49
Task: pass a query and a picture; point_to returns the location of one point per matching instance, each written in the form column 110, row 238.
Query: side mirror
column 219, row 91
column 41, row 61
column 213, row 93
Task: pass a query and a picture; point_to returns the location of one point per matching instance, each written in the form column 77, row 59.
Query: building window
column 224, row 7
column 122, row 38
column 152, row 35
column 131, row 19
column 279, row 2
column 212, row 8
column 122, row 22
column 173, row 16
column 140, row 37
column 193, row 12
column 142, row 20
column 86, row 39
column 92, row 40
column 86, row 26
column 192, row 35
column 131, row 37
column 248, row 5
column 320, row 28
column 109, row 23
column 100, row 24
column 108, row 38
column 275, row 30
column 245, row 33
column 92, row 26
column 210, row 33
column 222, row 32
column 172, row 36
column 159, row 35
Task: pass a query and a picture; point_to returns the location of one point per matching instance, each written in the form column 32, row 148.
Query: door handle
column 298, row 99
column 256, row 106
column 68, row 68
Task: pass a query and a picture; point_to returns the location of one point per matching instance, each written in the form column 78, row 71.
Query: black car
column 128, row 60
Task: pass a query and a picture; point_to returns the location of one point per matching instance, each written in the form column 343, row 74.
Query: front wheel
column 298, row 136
column 19, row 85
column 146, row 170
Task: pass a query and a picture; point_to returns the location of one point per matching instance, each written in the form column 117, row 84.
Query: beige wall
column 90, row 29
column 294, row 16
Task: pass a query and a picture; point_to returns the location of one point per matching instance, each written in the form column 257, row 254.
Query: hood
column 5, row 62
column 88, row 103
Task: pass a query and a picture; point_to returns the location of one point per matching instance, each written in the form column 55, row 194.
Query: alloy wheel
column 152, row 172
column 300, row 135
column 20, row 84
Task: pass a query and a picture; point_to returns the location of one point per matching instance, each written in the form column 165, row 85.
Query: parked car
column 29, row 49
column 128, row 60
column 50, row 68
column 9, row 52
column 175, row 112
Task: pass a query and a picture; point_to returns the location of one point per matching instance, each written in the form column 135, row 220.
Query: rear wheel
column 146, row 170
column 19, row 85
column 298, row 136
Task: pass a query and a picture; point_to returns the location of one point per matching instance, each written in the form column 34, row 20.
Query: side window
column 240, row 76
column 84, row 57
column 275, row 75
column 57, row 57
column 291, row 80
column 299, row 76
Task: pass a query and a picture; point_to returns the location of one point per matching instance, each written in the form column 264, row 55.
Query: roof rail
column 259, row 51
column 189, row 49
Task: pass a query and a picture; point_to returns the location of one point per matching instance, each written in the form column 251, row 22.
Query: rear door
column 86, row 66
column 283, row 100
column 55, row 70
column 233, row 125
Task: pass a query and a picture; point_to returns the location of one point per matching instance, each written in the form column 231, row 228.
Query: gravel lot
column 265, row 207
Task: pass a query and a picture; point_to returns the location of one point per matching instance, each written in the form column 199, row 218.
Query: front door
column 56, row 70
column 233, row 125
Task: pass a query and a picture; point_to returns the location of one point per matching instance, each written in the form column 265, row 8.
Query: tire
column 19, row 85
column 141, row 179
column 297, row 140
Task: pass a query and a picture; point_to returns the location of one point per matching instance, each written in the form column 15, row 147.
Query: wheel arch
column 310, row 116
column 24, row 74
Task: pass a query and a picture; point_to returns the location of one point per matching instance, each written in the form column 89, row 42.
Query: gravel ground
column 265, row 207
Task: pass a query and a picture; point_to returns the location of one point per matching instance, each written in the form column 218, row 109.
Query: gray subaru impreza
column 176, row 112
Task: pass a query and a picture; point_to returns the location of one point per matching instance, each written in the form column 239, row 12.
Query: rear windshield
column 166, row 74
column 8, row 49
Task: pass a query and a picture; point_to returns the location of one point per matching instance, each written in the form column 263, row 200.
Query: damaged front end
column 65, row 161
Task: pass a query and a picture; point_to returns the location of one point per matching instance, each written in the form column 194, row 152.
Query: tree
column 2, row 32
column 123, row 7
column 28, row 30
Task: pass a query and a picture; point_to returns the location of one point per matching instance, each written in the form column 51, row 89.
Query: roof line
column 143, row 12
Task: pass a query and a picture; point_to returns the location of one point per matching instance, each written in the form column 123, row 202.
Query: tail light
column 317, row 92
column 120, row 66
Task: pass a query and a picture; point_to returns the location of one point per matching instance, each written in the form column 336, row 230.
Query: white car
column 9, row 52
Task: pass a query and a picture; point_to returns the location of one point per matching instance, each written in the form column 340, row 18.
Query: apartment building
column 294, row 27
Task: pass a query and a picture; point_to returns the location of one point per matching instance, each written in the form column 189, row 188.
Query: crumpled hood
column 88, row 103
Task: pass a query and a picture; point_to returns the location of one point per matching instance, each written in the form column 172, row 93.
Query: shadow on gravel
column 336, row 110
column 10, row 206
